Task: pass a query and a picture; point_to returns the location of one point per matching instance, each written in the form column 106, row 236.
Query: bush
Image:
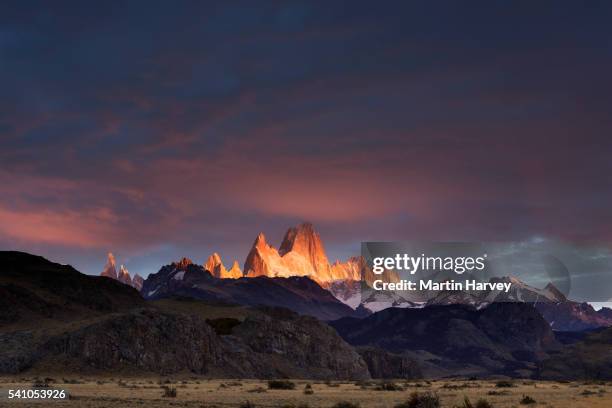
column 505, row 384
column 389, row 386
column 527, row 400
column 257, row 389
column 588, row 392
column 346, row 404
column 247, row 404
column 481, row 403
column 281, row 385
column 308, row 389
column 169, row 392
column 416, row 400
column 331, row 384
column 493, row 392
column 38, row 383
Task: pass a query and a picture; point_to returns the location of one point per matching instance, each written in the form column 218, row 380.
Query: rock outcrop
column 383, row 364
column 102, row 326
column 588, row 359
column 300, row 347
column 264, row 345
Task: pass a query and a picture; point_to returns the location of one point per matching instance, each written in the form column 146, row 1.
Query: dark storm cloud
column 161, row 129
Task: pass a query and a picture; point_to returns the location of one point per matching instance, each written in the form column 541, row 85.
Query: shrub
column 481, row 403
column 493, row 392
column 388, row 386
column 308, row 389
column 38, row 383
column 281, row 385
column 505, row 384
column 588, row 392
column 331, row 384
column 425, row 400
column 169, row 392
column 527, row 400
column 247, row 404
column 346, row 404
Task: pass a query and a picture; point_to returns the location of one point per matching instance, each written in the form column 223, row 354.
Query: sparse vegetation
column 169, row 392
column 364, row 385
column 424, row 400
column 281, row 385
column 41, row 383
column 493, row 392
column 505, row 384
column 346, row 404
column 461, row 386
column 527, row 400
column 451, row 393
column 388, row 386
column 587, row 393
column 481, row 403
column 257, row 390
column 331, row 384
column 247, row 404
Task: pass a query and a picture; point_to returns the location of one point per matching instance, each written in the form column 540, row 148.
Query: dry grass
column 96, row 392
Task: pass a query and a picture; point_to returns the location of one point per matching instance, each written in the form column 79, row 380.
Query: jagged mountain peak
column 216, row 257
column 110, row 269
column 260, row 241
column 183, row 263
column 124, row 276
column 301, row 253
column 303, row 239
column 137, row 282
column 215, row 266
column 235, row 272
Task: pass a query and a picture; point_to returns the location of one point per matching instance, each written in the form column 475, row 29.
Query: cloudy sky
column 162, row 129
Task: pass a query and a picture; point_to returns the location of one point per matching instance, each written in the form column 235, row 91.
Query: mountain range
column 302, row 254
column 504, row 338
column 53, row 317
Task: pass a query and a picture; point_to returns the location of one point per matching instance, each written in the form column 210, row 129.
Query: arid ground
column 193, row 392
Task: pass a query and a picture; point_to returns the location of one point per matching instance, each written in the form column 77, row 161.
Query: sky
column 157, row 130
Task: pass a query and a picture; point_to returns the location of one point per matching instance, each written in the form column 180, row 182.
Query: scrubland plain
column 203, row 393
